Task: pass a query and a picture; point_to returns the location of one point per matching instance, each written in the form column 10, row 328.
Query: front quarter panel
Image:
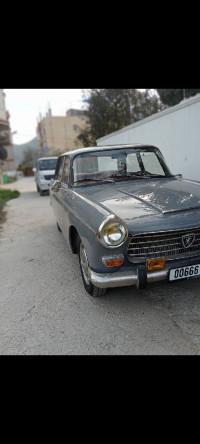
column 86, row 217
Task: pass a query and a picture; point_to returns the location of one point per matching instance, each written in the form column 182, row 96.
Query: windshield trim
column 121, row 171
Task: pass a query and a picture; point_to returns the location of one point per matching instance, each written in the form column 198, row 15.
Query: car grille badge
column 187, row 240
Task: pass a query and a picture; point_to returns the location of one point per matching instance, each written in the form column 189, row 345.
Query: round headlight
column 112, row 232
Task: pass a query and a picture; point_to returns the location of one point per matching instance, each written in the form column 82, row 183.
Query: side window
column 151, row 163
column 66, row 170
column 59, row 169
column 132, row 163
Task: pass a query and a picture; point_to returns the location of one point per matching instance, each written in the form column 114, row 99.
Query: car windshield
column 125, row 164
column 47, row 164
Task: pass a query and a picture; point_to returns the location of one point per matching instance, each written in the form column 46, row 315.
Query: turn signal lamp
column 113, row 261
column 156, row 264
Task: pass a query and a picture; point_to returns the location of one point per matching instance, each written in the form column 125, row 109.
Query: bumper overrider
column 138, row 275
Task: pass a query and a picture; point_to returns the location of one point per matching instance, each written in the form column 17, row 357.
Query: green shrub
column 6, row 195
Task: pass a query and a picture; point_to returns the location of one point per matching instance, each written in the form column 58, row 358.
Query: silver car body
column 156, row 214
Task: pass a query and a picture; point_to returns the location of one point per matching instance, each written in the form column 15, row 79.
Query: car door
column 56, row 191
column 67, row 197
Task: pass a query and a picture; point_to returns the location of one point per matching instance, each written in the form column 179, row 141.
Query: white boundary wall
column 176, row 131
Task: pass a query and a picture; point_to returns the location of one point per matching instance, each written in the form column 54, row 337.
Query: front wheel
column 84, row 266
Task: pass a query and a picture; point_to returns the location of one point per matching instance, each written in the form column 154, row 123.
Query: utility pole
column 51, row 129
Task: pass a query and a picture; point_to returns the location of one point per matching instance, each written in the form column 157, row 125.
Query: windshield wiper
column 132, row 176
column 160, row 176
column 139, row 175
column 107, row 179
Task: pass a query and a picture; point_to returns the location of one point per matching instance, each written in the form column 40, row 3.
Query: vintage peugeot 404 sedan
column 130, row 220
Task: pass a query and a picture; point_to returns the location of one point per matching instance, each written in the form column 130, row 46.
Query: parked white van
column 44, row 172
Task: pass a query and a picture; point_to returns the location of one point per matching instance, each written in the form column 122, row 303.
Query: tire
column 83, row 262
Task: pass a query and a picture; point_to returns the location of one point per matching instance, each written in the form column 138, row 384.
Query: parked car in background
column 128, row 218
column 44, row 172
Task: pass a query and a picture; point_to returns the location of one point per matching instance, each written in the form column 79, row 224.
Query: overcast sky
column 25, row 106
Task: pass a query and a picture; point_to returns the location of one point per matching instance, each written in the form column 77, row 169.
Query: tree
column 30, row 156
column 109, row 110
column 172, row 97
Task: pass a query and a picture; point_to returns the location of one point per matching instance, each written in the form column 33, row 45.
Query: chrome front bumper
column 125, row 278
column 44, row 185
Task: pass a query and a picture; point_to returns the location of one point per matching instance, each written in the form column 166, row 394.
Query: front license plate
column 184, row 272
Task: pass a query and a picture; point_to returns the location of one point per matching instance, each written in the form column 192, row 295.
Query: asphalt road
column 44, row 309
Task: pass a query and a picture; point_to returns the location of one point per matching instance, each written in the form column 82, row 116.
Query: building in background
column 176, row 131
column 6, row 148
column 57, row 134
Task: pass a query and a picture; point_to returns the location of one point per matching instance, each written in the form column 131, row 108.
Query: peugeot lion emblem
column 187, row 240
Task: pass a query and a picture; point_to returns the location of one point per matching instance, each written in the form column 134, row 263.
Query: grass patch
column 6, row 195
column 12, row 179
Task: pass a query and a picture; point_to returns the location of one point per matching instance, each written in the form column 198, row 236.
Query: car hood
column 141, row 199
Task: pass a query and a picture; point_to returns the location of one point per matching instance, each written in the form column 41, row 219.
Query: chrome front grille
column 169, row 244
column 49, row 176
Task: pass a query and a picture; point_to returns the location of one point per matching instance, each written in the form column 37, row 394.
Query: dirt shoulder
column 15, row 186
column 5, row 196
column 2, row 216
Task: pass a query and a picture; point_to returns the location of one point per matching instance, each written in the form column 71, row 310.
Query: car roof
column 48, row 158
column 105, row 147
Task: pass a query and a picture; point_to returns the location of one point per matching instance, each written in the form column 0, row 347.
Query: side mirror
column 179, row 176
column 34, row 170
column 56, row 185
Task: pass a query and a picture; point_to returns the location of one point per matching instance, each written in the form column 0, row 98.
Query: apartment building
column 6, row 148
column 57, row 134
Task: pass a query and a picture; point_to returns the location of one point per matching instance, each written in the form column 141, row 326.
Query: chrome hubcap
column 84, row 264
